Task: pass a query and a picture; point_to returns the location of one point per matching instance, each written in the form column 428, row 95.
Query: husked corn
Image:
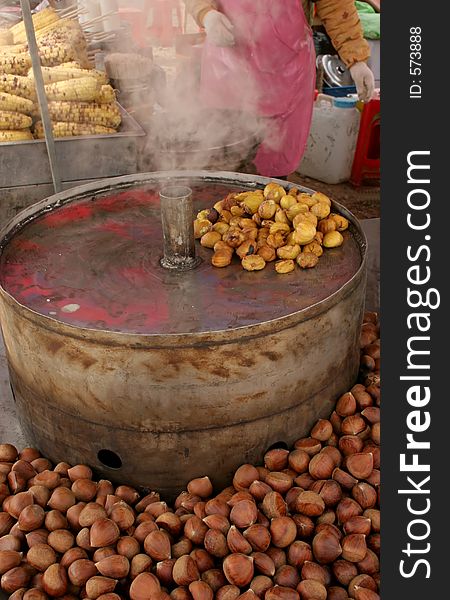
column 18, row 135
column 63, row 25
column 106, row 95
column 107, row 115
column 14, row 120
column 61, row 129
column 84, row 89
column 60, row 73
column 101, row 77
column 41, row 19
column 73, row 64
column 15, row 103
column 17, row 85
column 69, row 34
column 56, row 54
column 14, row 49
column 63, row 37
column 16, row 64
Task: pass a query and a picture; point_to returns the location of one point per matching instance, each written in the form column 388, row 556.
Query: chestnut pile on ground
column 305, row 526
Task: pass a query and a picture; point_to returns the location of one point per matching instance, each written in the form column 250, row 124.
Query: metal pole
column 39, row 81
column 177, row 213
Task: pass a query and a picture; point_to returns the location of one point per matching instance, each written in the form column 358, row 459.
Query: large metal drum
column 155, row 377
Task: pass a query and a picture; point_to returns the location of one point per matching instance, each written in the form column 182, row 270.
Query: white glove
column 219, row 28
column 364, row 80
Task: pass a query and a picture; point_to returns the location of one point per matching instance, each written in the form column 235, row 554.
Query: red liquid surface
column 94, row 263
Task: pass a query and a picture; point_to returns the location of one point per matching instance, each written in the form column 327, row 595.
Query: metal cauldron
column 154, row 377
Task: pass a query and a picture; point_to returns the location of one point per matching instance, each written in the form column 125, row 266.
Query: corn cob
column 19, row 49
column 56, row 54
column 63, row 129
column 40, row 20
column 14, row 120
column 15, row 64
column 84, row 89
column 6, row 38
column 74, row 64
column 107, row 115
column 106, row 95
column 15, row 135
column 100, row 75
column 59, row 73
column 57, row 26
column 49, row 29
column 18, row 85
column 63, row 45
column 15, row 103
column 64, row 34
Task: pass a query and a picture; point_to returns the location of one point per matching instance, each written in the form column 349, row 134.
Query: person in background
column 264, row 50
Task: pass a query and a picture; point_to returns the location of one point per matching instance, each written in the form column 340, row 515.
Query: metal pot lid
column 335, row 73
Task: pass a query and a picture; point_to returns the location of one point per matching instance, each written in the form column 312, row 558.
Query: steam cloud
column 189, row 129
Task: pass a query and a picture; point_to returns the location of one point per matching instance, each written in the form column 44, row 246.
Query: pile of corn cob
column 17, row 102
column 81, row 101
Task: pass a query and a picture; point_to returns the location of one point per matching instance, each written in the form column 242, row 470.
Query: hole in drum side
column 109, row 459
column 278, row 445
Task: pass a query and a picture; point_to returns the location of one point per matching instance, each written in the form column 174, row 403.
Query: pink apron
column 270, row 71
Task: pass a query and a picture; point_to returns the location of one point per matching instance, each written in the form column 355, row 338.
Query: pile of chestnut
column 305, row 525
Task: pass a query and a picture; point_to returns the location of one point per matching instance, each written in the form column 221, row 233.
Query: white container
column 330, row 148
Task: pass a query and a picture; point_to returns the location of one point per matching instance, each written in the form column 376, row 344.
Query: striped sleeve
column 341, row 21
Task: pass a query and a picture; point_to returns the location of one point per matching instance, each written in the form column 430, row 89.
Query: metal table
column 25, row 176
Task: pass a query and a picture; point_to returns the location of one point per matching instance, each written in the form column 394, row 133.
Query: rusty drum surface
column 154, row 377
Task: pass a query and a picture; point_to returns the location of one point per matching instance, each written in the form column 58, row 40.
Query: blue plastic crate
column 340, row 92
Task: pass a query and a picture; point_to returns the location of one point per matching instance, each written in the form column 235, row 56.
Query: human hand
column 364, row 80
column 219, row 28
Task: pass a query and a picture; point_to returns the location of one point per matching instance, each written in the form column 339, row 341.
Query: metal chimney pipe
column 177, row 217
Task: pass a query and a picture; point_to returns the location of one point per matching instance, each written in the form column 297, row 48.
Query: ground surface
column 363, row 202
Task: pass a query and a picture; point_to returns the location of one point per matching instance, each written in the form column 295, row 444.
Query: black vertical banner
column 414, row 301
